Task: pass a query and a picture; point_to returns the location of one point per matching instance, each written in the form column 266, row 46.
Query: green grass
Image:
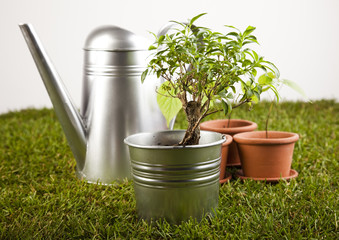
column 41, row 198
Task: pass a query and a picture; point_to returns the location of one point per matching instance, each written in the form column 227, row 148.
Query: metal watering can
column 114, row 103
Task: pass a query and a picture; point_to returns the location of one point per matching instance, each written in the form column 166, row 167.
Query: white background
column 300, row 36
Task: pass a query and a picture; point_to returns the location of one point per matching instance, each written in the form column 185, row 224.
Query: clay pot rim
column 259, row 138
column 229, row 140
column 231, row 130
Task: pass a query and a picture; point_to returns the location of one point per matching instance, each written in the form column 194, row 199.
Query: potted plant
column 266, row 155
column 176, row 173
column 266, row 158
column 229, row 126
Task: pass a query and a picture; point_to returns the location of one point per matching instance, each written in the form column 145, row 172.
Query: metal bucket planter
column 175, row 182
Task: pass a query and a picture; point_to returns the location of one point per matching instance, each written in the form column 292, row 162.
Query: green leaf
column 151, row 48
column 275, row 92
column 252, row 38
column 254, row 72
column 248, row 31
column 265, row 79
column 232, row 27
column 222, row 94
column 233, row 34
column 230, row 96
column 246, row 62
column 247, row 42
column 196, row 17
column 271, row 75
column 256, row 57
column 168, row 105
column 160, row 39
column 143, row 75
column 256, row 97
column 265, row 89
column 295, row 87
column 249, row 93
column 227, row 106
column 273, row 68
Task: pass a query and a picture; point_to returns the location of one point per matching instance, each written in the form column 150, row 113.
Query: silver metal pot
column 175, row 182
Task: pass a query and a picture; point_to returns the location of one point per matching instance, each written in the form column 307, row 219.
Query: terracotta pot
column 224, row 177
column 263, row 157
column 235, row 126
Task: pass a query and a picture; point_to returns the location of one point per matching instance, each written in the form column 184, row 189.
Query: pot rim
column 259, row 137
column 231, row 130
column 128, row 140
column 229, row 140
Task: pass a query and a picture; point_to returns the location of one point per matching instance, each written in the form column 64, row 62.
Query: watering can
column 114, row 103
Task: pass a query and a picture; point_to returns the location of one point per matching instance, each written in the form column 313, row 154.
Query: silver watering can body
column 114, row 103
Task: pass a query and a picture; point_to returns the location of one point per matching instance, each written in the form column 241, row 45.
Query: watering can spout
column 67, row 114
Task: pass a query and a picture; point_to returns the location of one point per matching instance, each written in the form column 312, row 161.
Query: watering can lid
column 113, row 38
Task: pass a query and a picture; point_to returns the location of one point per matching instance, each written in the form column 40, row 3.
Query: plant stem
column 267, row 119
column 192, row 135
column 229, row 119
